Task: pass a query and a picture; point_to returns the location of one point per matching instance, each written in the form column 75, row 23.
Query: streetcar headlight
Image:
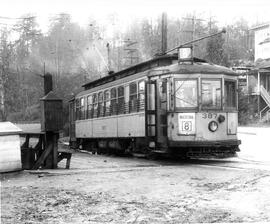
column 213, row 126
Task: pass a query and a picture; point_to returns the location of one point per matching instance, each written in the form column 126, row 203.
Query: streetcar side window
column 100, row 105
column 107, row 103
column 230, row 94
column 89, row 107
column 77, row 104
column 133, row 98
column 211, row 94
column 141, row 95
column 113, row 102
column 121, row 100
column 95, row 105
column 186, row 95
column 81, row 109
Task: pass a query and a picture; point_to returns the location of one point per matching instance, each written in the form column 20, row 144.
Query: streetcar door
column 150, row 110
column 162, row 85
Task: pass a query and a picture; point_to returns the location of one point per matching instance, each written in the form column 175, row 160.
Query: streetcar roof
column 164, row 62
column 141, row 67
column 199, row 68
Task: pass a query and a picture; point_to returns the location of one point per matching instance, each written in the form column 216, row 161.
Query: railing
column 266, row 97
column 265, row 110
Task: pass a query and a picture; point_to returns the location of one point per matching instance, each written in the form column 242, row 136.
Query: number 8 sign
column 186, row 123
column 186, row 126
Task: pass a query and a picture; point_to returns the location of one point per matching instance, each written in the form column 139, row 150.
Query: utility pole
column 164, row 33
column 193, row 20
column 132, row 51
column 211, row 23
column 109, row 57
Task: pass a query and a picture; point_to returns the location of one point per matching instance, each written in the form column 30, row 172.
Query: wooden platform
column 45, row 153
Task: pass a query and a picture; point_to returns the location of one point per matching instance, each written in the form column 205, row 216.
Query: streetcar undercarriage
column 129, row 146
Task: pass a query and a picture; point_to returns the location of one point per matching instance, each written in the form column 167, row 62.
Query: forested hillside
column 75, row 54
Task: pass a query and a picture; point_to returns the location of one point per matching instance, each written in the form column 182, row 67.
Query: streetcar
column 173, row 104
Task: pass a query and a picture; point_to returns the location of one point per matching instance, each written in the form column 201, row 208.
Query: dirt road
column 105, row 189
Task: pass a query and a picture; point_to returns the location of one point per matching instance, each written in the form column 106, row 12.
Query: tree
column 215, row 50
column 5, row 58
column 239, row 43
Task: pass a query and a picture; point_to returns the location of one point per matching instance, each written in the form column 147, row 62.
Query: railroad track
column 129, row 164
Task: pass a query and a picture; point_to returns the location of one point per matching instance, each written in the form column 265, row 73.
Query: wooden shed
column 10, row 150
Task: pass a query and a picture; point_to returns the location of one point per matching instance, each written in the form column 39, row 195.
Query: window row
column 114, row 101
column 186, row 93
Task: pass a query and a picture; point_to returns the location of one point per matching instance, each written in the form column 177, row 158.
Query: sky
column 225, row 12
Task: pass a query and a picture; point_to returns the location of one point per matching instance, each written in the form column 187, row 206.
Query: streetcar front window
column 211, row 94
column 230, row 94
column 186, row 95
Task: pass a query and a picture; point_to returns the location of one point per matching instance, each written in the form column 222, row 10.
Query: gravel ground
column 106, row 189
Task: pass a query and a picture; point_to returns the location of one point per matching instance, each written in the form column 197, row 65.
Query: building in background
column 262, row 42
column 258, row 78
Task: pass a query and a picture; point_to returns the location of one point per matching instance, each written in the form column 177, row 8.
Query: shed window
column 100, row 104
column 107, row 103
column 211, row 94
column 133, row 97
column 230, row 94
column 89, row 113
column 121, row 100
column 113, row 101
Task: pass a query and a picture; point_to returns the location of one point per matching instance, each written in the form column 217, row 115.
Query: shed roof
column 51, row 96
column 30, row 128
column 7, row 128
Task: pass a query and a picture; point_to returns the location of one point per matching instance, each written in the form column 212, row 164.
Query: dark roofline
column 166, row 59
column 131, row 70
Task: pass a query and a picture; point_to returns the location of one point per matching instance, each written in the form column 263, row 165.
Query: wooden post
column 42, row 158
column 259, row 83
column 55, row 150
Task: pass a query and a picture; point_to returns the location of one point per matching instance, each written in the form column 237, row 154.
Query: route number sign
column 186, row 123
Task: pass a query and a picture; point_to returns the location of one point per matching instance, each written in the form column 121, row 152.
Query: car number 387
column 209, row 115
